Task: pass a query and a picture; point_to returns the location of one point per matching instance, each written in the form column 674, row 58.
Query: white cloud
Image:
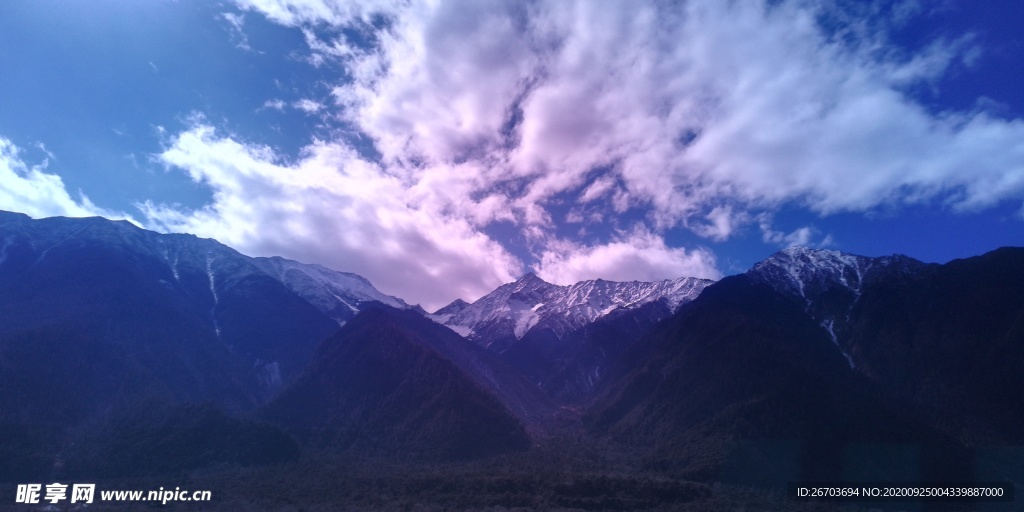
column 635, row 256
column 294, row 13
column 29, row 189
column 721, row 223
column 798, row 237
column 598, row 189
column 442, row 84
column 332, row 208
column 308, row 106
column 687, row 105
column 803, row 236
column 275, row 104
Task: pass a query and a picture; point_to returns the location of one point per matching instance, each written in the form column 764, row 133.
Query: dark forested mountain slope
column 380, row 387
column 951, row 339
column 947, row 337
column 568, row 369
column 743, row 384
column 841, row 365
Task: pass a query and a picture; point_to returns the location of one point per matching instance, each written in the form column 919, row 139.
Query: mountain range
column 814, row 364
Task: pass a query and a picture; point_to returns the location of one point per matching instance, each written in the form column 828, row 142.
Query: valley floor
column 565, row 476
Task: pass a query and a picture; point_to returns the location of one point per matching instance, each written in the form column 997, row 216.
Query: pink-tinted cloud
column 776, row 109
column 332, row 208
column 705, row 115
column 637, row 255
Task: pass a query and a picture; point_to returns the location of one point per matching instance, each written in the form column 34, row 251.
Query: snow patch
column 829, row 326
column 461, row 330
column 174, row 268
column 441, row 319
column 525, row 320
column 211, row 278
column 213, row 291
column 269, row 374
column 346, row 303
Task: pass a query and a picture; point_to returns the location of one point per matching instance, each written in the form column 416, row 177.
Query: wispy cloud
column 295, row 13
column 49, row 154
column 236, row 27
column 805, row 236
column 275, row 104
column 308, row 106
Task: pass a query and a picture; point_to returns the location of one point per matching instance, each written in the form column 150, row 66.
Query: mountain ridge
column 809, row 358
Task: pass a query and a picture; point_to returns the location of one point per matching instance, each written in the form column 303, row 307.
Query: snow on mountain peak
column 799, row 269
column 515, row 308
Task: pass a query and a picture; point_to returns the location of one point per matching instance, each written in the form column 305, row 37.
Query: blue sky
column 442, row 149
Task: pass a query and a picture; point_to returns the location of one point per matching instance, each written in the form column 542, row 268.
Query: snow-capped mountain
column 566, row 337
column 514, row 309
column 829, row 283
column 339, row 295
